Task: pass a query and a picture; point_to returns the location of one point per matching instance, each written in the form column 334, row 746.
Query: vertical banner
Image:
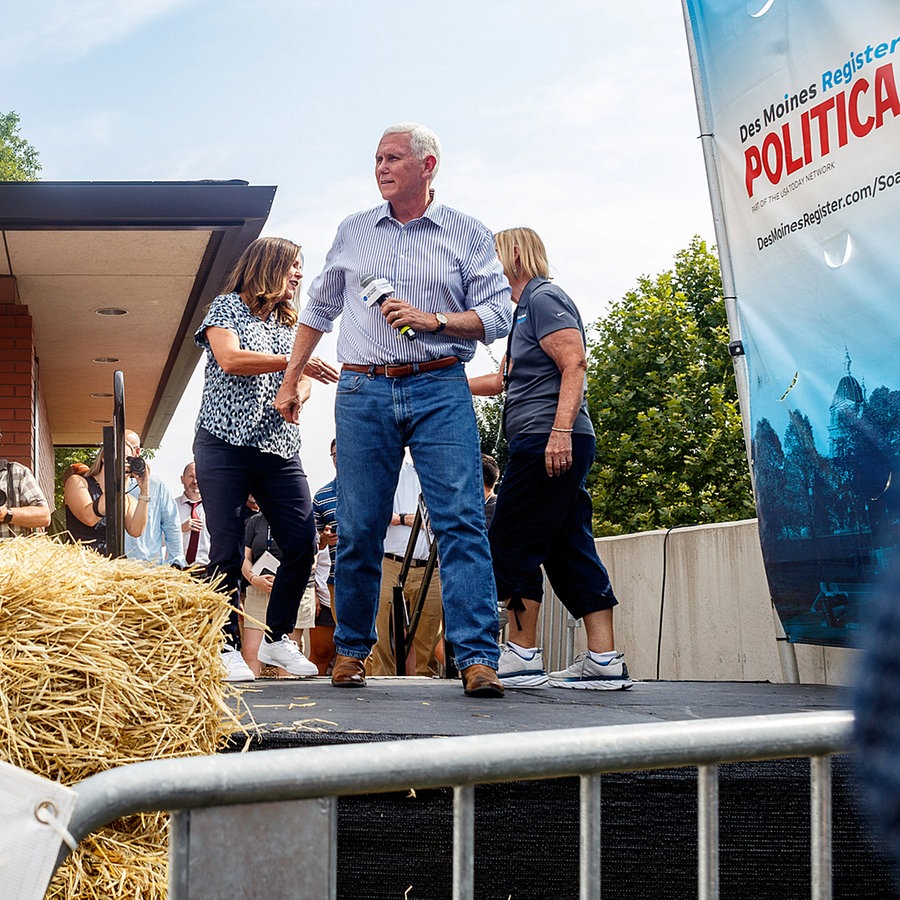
column 800, row 111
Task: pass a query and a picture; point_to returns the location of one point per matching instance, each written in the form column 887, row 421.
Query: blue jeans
column 432, row 413
column 226, row 475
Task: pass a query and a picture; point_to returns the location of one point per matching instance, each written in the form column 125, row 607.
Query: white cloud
column 62, row 31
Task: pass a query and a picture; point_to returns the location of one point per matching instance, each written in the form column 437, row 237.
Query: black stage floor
column 399, row 845
column 425, row 706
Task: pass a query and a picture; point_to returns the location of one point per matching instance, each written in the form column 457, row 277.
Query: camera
column 137, row 464
column 3, row 498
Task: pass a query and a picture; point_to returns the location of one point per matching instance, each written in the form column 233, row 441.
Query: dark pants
column 544, row 521
column 226, row 474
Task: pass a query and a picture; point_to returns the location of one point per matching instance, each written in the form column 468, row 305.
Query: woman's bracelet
column 144, row 497
column 563, row 430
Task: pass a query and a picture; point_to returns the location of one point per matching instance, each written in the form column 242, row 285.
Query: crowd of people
column 416, row 284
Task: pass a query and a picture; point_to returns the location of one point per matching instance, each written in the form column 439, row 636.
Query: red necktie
column 194, row 540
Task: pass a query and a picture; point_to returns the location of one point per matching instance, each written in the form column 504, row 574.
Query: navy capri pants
column 544, row 521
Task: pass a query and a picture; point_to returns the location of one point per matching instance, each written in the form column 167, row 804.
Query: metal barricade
column 317, row 776
column 114, row 471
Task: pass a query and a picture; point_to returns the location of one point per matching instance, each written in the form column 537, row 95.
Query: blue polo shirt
column 534, row 379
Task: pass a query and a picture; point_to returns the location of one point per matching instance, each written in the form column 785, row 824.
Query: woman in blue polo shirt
column 543, row 513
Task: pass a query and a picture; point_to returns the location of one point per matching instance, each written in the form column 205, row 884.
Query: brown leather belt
column 402, row 370
column 413, row 563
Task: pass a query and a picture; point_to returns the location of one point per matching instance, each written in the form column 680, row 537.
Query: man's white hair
column 422, row 141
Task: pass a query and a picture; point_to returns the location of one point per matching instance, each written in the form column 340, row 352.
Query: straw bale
column 103, row 663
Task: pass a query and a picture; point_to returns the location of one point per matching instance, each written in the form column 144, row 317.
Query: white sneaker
column 235, row 667
column 285, row 653
column 516, row 671
column 586, row 674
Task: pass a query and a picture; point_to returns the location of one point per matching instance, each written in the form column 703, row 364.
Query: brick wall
column 17, row 368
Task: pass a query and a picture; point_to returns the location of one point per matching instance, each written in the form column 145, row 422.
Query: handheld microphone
column 376, row 291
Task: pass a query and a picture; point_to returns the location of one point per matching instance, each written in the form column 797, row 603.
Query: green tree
column 63, row 458
column 488, row 414
column 661, row 388
column 18, row 159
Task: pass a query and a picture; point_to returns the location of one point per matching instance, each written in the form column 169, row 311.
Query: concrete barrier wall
column 715, row 621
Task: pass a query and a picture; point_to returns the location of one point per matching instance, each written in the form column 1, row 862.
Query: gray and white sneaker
column 235, row 667
column 585, row 674
column 516, row 671
column 286, row 654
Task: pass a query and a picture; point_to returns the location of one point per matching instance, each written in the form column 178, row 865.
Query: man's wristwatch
column 442, row 323
column 7, row 519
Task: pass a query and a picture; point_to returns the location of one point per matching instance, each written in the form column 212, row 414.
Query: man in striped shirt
column 398, row 390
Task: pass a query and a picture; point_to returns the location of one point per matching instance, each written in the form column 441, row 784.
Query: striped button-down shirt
column 324, row 506
column 443, row 262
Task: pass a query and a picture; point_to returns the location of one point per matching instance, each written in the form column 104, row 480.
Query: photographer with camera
column 22, row 505
column 86, row 502
column 161, row 542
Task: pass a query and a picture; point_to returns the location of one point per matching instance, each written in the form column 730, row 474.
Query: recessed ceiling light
column 105, row 359
column 111, row 311
column 101, row 395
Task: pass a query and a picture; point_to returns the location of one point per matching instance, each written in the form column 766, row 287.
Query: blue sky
column 575, row 118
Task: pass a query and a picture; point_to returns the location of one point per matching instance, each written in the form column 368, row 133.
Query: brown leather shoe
column 348, row 671
column 481, row 681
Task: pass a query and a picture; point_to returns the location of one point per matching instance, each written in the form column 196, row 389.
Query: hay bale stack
column 102, row 663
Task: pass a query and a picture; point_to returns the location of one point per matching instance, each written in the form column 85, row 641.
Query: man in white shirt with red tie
column 193, row 521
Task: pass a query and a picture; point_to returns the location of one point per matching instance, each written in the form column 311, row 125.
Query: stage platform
column 414, row 706
column 399, row 845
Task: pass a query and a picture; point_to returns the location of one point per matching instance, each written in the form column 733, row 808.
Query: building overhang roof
column 159, row 251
